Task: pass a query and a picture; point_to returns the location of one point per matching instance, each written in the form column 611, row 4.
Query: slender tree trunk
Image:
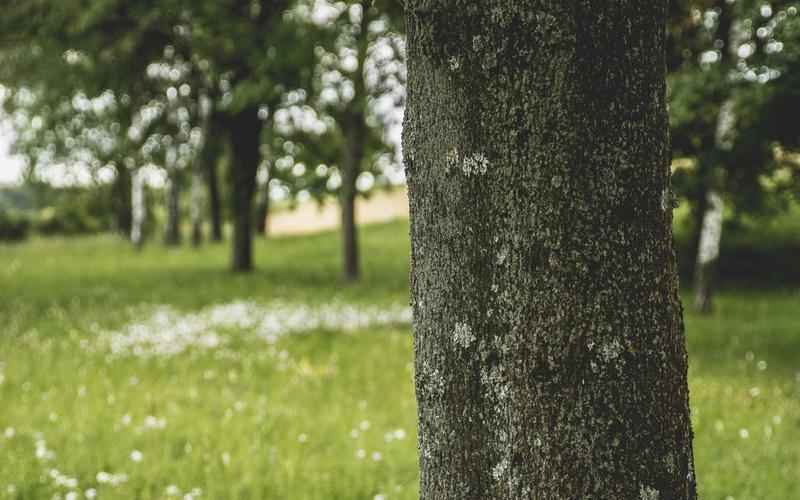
column 172, row 230
column 710, row 228
column 347, row 199
column 708, row 253
column 138, row 209
column 245, row 134
column 264, row 176
column 550, row 357
column 262, row 203
column 355, row 129
column 197, row 207
column 121, row 193
column 708, row 247
column 210, row 159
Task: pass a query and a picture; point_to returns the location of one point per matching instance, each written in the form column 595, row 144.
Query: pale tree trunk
column 710, row 236
column 550, row 352
column 708, row 248
column 244, row 131
column 138, row 209
column 172, row 230
column 708, row 252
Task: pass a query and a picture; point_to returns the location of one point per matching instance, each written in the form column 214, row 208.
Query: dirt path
column 312, row 218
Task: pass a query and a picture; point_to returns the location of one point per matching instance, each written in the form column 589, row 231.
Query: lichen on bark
column 549, row 344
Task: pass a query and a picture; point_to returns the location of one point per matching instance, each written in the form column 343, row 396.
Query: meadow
column 158, row 374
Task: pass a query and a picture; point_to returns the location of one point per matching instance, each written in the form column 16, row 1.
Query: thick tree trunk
column 245, row 134
column 550, row 356
column 121, row 202
column 172, row 230
column 138, row 209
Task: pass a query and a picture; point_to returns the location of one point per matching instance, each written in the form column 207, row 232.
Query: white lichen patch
column 455, row 63
column 463, row 335
column 648, row 493
column 478, row 43
column 451, row 160
column 502, row 255
column 666, row 200
column 475, row 164
column 500, row 470
column 610, row 350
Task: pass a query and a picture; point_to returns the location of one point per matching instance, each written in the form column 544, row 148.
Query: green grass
column 319, row 415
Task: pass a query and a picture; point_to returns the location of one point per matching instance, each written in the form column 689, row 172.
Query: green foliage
column 13, row 226
column 743, row 55
column 66, row 220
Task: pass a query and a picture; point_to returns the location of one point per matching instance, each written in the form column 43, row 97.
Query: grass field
column 160, row 375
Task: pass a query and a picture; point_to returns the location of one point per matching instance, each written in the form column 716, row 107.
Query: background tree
column 727, row 66
column 359, row 84
column 550, row 358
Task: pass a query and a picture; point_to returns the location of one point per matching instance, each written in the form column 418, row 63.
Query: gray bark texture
column 549, row 342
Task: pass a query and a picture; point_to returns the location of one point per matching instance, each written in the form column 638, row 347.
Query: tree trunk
column 172, row 230
column 121, row 192
column 354, row 127
column 245, row 133
column 347, row 199
column 710, row 227
column 197, row 207
column 550, row 353
column 210, row 159
column 138, row 210
column 708, row 253
column 262, row 203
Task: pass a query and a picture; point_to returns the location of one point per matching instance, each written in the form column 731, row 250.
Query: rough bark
column 550, row 353
column 244, row 129
column 354, row 128
column 138, row 210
